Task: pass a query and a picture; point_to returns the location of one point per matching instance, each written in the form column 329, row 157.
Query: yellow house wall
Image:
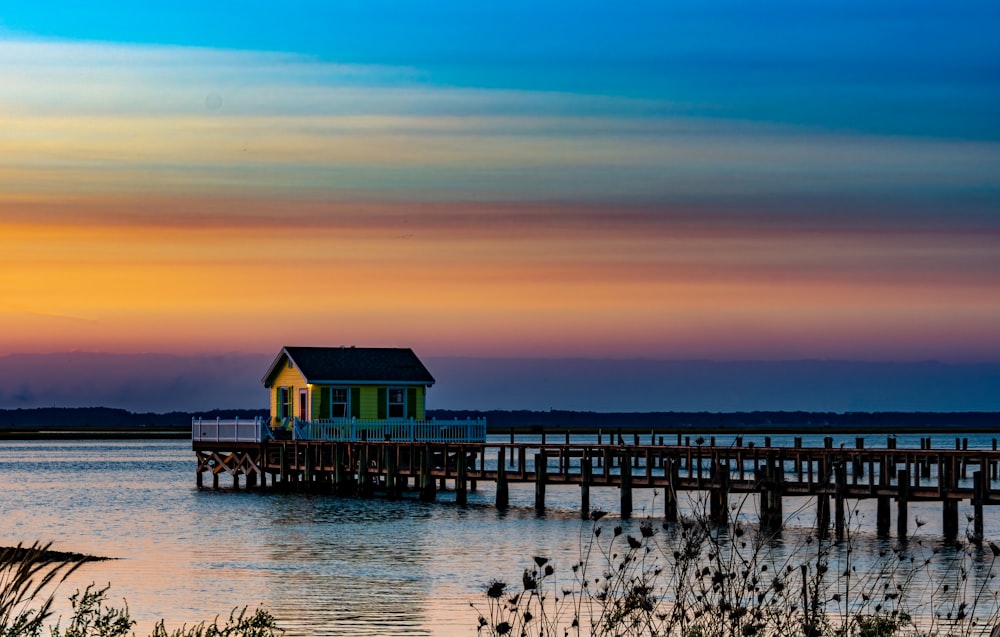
column 287, row 378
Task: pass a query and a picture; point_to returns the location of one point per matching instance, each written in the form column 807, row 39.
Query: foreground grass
column 697, row 578
column 30, row 574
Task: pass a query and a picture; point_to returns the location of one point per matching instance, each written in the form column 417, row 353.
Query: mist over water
column 322, row 565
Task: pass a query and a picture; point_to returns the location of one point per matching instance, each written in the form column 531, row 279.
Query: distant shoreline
column 60, row 423
column 93, row 433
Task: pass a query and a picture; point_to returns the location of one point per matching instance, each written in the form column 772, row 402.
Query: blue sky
column 911, row 68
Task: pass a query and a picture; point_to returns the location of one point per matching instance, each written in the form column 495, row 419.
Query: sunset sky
column 666, row 180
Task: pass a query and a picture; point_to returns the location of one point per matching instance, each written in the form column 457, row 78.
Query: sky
column 673, row 181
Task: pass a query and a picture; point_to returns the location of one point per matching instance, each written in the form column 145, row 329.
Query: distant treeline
column 107, row 417
column 754, row 421
column 501, row 421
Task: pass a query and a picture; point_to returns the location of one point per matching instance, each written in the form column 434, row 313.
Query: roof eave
column 274, row 367
column 425, row 383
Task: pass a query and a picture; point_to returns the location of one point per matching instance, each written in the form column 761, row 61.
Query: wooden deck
column 831, row 475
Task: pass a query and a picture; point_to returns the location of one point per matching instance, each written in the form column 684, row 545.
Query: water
column 322, row 565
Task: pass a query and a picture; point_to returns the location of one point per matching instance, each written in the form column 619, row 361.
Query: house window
column 397, row 403
column 284, row 402
column 339, row 399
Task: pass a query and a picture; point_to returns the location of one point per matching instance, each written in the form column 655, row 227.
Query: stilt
column 461, row 488
column 585, row 471
column 541, row 467
column 338, row 468
column 978, row 498
column 902, row 497
column 391, row 479
column 364, row 473
column 949, row 507
column 840, row 488
column 859, row 465
column 882, row 514
column 772, row 516
column 626, row 484
column 427, row 490
column 719, row 494
column 308, row 467
column 215, row 481
column 198, row 479
column 502, row 491
column 822, row 499
column 670, row 493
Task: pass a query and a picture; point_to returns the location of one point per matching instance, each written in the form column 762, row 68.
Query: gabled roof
column 354, row 365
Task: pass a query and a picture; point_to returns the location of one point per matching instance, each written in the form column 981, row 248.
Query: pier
column 390, row 468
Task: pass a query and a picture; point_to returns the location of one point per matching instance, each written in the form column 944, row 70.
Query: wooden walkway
column 830, row 475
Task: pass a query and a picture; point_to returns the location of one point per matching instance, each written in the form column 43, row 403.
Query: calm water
column 322, row 565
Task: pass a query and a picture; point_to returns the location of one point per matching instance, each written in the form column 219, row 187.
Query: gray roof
column 355, row 365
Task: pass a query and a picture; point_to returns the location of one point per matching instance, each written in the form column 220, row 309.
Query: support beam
column 902, row 499
column 541, row 469
column 626, row 484
column 502, row 490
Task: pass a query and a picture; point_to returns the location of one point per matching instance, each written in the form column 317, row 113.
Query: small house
column 327, row 384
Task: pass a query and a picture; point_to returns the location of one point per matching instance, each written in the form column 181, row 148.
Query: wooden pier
column 830, row 475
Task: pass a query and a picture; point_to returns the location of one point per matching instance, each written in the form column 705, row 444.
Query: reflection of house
column 325, row 384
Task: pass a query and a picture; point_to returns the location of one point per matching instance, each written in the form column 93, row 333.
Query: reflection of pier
column 831, row 475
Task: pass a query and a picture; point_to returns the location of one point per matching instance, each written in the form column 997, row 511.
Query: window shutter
column 411, row 402
column 324, row 402
column 355, row 402
column 381, row 403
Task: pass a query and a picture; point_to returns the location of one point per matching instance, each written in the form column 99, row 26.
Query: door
column 304, row 405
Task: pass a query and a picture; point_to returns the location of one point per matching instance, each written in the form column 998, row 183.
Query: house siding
column 421, row 403
column 369, row 403
column 291, row 378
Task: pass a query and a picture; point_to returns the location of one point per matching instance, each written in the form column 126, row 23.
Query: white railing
column 235, row 430
column 352, row 429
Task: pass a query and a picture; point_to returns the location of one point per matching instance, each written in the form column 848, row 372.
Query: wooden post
column 859, row 465
column 461, row 488
column 719, row 494
column 338, row 467
column 307, row 467
column 283, row 465
column 585, row 472
column 364, row 477
column 198, row 479
column 215, row 480
column 903, row 491
column 390, row 472
column 236, row 481
column 978, row 498
column 626, row 484
column 839, row 491
column 882, row 514
column 541, row 467
column 251, row 480
column 670, row 493
column 428, row 492
column 949, row 507
column 502, row 491
column 822, row 497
